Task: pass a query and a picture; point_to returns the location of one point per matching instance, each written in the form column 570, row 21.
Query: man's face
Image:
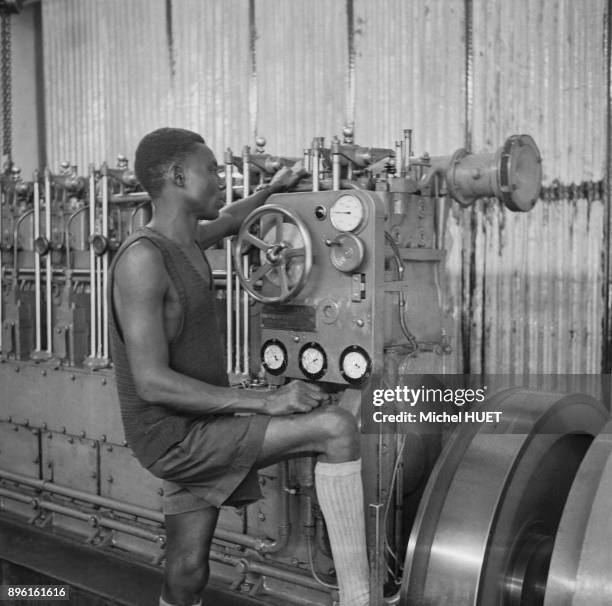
column 202, row 186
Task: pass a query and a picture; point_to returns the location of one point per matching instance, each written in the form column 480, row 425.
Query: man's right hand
column 295, row 397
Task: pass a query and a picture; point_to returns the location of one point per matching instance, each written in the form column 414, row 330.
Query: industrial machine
column 339, row 282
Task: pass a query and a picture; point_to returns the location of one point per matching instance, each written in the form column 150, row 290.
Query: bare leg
column 330, row 432
column 188, row 537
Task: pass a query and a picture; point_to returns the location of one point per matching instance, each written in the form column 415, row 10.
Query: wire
column 317, row 578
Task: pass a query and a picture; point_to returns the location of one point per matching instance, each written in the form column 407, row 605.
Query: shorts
column 213, row 464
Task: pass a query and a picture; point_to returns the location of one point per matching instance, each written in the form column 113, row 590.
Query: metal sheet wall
column 536, row 301
column 115, row 70
column 409, row 73
column 528, row 288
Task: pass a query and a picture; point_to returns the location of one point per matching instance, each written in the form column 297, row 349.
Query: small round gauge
column 347, row 253
column 274, row 356
column 347, row 213
column 355, row 364
column 313, row 361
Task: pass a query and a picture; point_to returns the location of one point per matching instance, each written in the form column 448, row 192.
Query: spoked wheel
column 485, row 528
column 285, row 254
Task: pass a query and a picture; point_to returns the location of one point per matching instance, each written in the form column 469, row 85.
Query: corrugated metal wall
column 536, row 302
column 525, row 292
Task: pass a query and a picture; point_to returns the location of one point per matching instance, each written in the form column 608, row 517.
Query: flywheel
column 581, row 566
column 486, row 524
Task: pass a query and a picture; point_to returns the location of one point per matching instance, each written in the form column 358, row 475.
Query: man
column 177, row 408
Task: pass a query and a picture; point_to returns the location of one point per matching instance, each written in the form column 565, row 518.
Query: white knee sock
column 163, row 602
column 340, row 494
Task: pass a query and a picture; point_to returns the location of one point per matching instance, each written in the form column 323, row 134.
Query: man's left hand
column 287, row 178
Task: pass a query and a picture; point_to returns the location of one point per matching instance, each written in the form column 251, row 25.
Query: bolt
column 360, row 322
column 261, row 516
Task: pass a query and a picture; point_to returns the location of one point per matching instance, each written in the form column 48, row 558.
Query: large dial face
column 274, row 356
column 313, row 361
column 355, row 364
column 347, row 213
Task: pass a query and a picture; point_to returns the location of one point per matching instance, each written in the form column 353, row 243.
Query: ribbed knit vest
column 197, row 351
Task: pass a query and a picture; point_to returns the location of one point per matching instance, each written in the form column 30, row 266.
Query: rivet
column 73, row 377
column 44, row 373
column 103, row 381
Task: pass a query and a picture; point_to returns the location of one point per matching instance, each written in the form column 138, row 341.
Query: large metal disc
column 485, row 526
column 581, row 566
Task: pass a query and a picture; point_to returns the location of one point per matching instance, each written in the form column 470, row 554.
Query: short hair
column 157, row 151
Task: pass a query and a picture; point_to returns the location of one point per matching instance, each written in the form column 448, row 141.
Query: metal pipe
column 103, row 296
column 245, row 297
column 229, row 334
column 307, row 160
column 92, row 263
column 93, row 519
column 133, row 216
column 48, row 268
column 335, row 150
column 400, row 159
column 16, row 238
column 37, row 289
column 255, row 543
column 315, row 165
column 243, row 564
column 67, row 233
column 3, row 202
column 407, row 150
column 99, row 305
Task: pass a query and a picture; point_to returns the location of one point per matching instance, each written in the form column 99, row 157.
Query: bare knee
column 341, row 435
column 186, row 576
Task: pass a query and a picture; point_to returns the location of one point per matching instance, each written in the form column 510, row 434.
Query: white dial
column 274, row 356
column 354, row 364
column 313, row 361
column 347, row 213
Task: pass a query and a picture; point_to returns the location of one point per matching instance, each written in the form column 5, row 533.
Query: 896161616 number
column 35, row 592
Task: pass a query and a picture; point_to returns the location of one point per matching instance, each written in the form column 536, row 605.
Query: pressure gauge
column 274, row 356
column 346, row 252
column 313, row 361
column 355, row 364
column 347, row 213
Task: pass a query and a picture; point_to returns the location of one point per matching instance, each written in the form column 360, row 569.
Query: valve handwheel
column 285, row 253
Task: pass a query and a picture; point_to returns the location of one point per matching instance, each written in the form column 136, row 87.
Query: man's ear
column 177, row 175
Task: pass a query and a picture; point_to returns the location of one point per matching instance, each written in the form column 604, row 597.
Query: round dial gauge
column 355, row 364
column 313, row 361
column 274, row 356
column 347, row 213
column 347, row 253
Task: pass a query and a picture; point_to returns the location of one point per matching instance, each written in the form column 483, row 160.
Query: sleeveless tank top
column 196, row 351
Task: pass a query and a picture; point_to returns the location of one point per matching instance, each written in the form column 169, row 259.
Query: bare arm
column 232, row 216
column 144, row 308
